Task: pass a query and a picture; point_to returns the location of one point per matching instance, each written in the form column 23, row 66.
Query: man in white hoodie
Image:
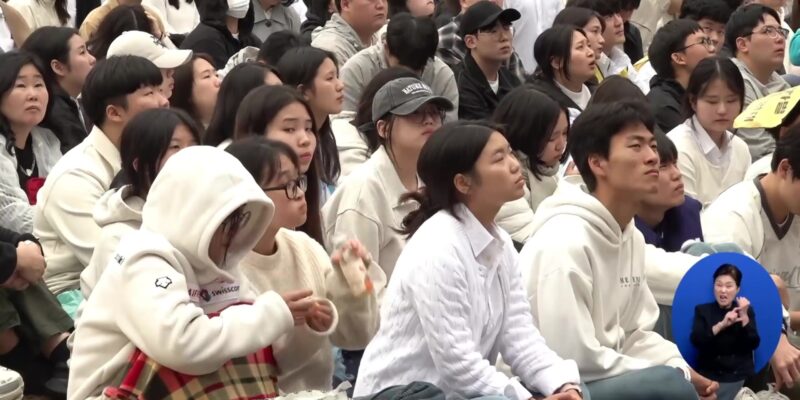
column 180, row 266
column 115, row 91
column 587, row 257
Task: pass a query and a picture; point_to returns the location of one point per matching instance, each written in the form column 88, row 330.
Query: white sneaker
column 771, row 394
column 746, row 394
column 11, row 385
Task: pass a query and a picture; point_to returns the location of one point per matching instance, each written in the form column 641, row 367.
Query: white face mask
column 238, row 8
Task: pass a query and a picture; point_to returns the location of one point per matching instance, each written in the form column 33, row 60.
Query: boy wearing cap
column 143, row 44
column 482, row 78
column 116, row 90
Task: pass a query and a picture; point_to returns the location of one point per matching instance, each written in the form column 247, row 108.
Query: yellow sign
column 768, row 112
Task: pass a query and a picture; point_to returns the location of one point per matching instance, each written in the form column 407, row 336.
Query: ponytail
column 416, row 218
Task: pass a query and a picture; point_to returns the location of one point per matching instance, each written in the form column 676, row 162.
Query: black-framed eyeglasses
column 771, row 32
column 705, row 41
column 294, row 189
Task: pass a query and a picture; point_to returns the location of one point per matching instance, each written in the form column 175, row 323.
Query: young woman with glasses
column 292, row 263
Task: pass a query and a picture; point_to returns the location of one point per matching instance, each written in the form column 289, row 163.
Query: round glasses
column 772, row 32
column 295, row 189
column 705, row 41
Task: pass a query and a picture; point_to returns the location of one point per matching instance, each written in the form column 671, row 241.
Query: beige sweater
column 304, row 358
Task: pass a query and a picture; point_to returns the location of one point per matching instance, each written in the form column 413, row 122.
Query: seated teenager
column 356, row 134
column 456, row 300
column 174, row 297
column 599, row 277
column 34, row 328
column 90, row 25
column 367, row 205
column 281, row 113
column 676, row 50
column 272, row 16
column 353, row 27
column 757, row 39
column 591, row 22
column 409, row 42
column 711, row 15
column 668, row 218
column 566, row 63
column 115, row 91
column 633, row 46
column 196, row 89
column 242, row 79
column 68, row 63
column 285, row 260
column 759, row 216
column 613, row 60
column 536, row 128
column 711, row 158
column 28, row 151
column 122, row 19
column 148, row 141
column 225, row 28
column 482, row 78
column 277, row 45
column 725, row 334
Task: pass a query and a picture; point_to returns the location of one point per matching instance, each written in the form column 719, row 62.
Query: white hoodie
column 156, row 296
column 117, row 213
column 586, row 277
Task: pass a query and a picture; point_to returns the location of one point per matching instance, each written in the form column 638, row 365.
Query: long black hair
column 529, row 117
column 234, row 87
column 120, row 19
column 12, row 63
column 297, row 67
column 50, row 43
column 145, row 140
column 257, row 111
column 453, row 149
column 363, row 118
column 184, row 84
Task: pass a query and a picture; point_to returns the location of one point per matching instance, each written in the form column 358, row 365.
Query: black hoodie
column 212, row 36
column 65, row 120
column 666, row 101
column 8, row 251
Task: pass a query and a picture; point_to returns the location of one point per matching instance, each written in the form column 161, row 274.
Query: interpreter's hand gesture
column 320, row 316
column 300, row 304
column 731, row 318
column 785, row 363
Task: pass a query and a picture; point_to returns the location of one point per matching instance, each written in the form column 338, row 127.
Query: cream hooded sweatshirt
column 117, row 213
column 587, row 277
column 155, row 297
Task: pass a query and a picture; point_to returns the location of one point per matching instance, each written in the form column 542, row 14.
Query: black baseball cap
column 484, row 14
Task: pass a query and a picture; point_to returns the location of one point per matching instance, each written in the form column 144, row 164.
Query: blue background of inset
column 696, row 288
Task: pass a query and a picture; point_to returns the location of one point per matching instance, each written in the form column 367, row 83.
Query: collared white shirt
column 455, row 302
column 719, row 156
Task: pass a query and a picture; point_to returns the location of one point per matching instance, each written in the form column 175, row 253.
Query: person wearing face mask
column 226, row 27
column 143, row 44
column 758, row 40
column 725, row 334
column 482, row 78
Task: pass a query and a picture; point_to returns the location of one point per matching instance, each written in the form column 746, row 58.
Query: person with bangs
column 115, row 91
column 196, row 88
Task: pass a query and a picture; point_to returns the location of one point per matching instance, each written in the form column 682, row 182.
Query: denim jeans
column 654, row 383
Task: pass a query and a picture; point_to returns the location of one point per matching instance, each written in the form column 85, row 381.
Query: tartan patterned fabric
column 245, row 378
column 452, row 49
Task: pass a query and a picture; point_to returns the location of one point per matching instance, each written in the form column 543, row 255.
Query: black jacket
column 8, row 251
column 633, row 43
column 476, row 99
column 552, row 91
column 666, row 101
column 212, row 36
column 65, row 121
column 728, row 355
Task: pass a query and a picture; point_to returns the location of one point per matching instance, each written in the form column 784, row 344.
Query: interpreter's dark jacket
column 728, row 355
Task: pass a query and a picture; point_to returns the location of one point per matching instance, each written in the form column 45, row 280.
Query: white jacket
column 117, row 214
column 180, row 20
column 587, row 277
column 156, row 295
column 456, row 302
column 16, row 212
